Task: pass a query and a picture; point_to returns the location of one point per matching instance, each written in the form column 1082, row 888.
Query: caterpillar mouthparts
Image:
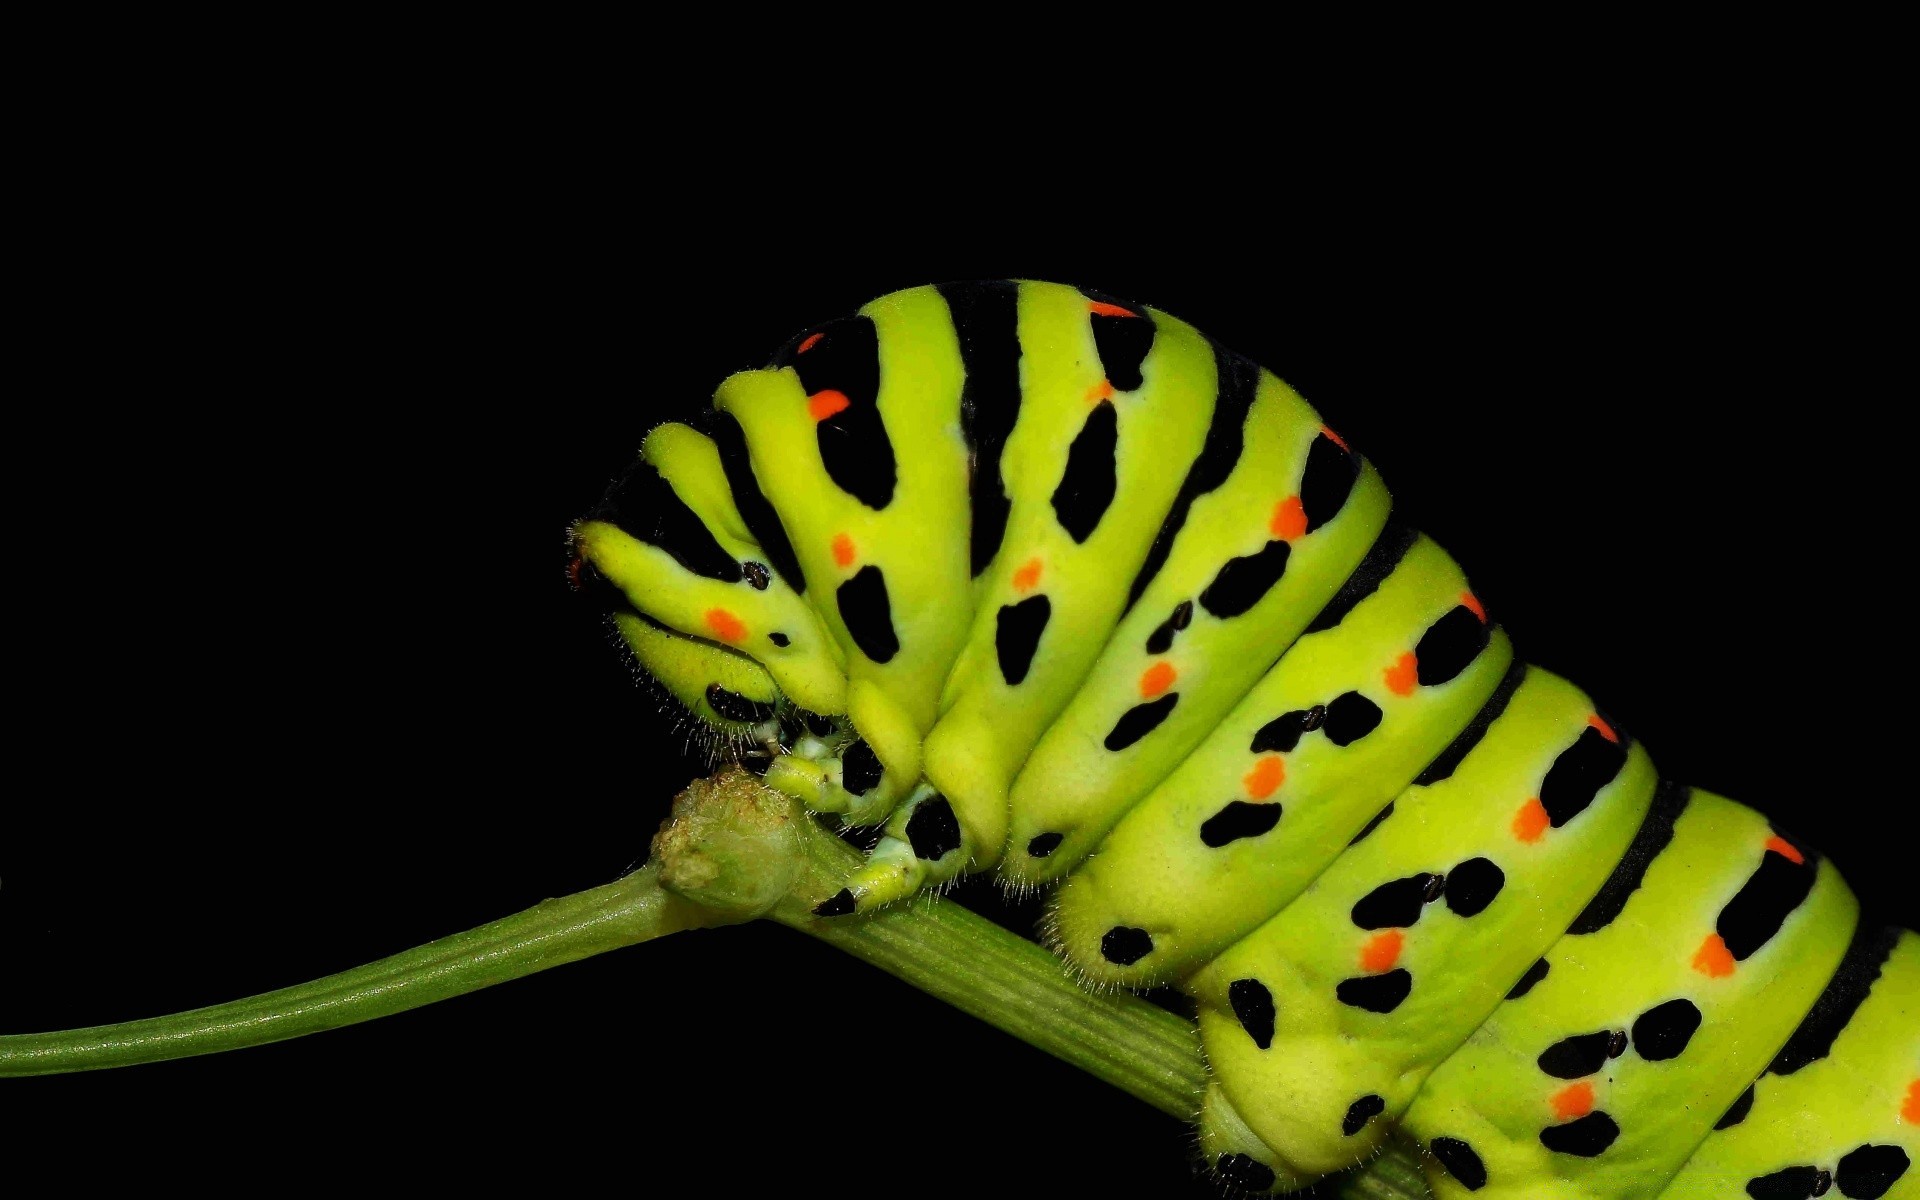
column 1049, row 585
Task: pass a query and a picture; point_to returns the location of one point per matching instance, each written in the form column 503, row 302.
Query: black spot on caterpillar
column 1663, row 1032
column 1361, row 1111
column 1535, row 974
column 1350, row 717
column 1737, row 1111
column 1396, row 903
column 1376, row 993
column 734, row 707
column 932, row 830
column 1017, row 635
column 1243, row 581
column 1161, row 640
column 1237, row 820
column 1577, row 1056
column 1473, row 885
column 1042, row 844
column 865, row 608
column 1125, row 945
column 1460, row 1162
column 860, row 768
column 1253, row 1004
column 1586, row 1136
column 1140, row 720
column 1086, row 489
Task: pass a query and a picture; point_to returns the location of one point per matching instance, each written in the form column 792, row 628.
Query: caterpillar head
column 707, row 617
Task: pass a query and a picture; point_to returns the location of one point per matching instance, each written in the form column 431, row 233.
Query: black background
column 303, row 686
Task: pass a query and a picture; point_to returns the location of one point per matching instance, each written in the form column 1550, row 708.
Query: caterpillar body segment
column 854, row 438
column 1248, row 567
column 1711, row 962
column 1052, row 585
column 1308, row 761
column 1839, row 1106
column 1105, row 434
column 1323, row 1024
column 1107, row 423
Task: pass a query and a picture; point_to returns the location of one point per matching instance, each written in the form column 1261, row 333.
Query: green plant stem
column 1395, row 1175
column 958, row 956
column 954, row 954
column 633, row 909
column 733, row 851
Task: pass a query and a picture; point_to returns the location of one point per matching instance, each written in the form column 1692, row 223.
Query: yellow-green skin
column 1864, row 1092
column 987, row 728
column 970, row 771
column 1195, row 906
column 1325, row 1055
column 892, row 704
column 1071, row 785
column 1647, row 956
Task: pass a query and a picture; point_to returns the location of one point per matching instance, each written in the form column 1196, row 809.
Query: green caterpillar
column 1055, row 587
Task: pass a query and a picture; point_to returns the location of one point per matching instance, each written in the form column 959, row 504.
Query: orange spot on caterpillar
column 573, row 571
column 1382, row 950
column 1101, row 308
column 1574, row 1100
column 843, row 549
column 1156, row 679
column 1910, row 1112
column 1474, row 606
column 1787, row 850
column 822, row 405
column 1403, row 674
column 1596, row 721
column 1714, row 959
column 1267, row 774
column 726, row 626
column 1100, row 391
column 1027, row 576
column 1289, row 519
column 1531, row 821
column 813, row 339
column 1336, row 439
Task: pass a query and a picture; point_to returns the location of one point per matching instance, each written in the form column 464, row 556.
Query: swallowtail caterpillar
column 1007, row 1112
column 1055, row 587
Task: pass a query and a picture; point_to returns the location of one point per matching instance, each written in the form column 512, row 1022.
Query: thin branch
column 633, row 909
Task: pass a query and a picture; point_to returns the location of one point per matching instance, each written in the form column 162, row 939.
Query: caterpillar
column 1048, row 584
column 425, row 755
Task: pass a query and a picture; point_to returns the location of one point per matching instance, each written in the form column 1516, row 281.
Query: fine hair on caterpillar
column 1107, row 608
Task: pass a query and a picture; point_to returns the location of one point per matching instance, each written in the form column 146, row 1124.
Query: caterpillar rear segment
column 1052, row 585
